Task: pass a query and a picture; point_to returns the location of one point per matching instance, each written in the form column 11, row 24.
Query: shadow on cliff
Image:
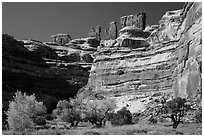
column 28, row 72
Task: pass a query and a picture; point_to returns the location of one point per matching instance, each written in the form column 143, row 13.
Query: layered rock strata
column 78, row 51
column 187, row 73
column 160, row 58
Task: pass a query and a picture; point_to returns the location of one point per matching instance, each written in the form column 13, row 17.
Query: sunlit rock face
column 187, row 73
column 77, row 50
column 164, row 57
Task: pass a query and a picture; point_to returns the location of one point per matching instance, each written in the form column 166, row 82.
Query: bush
column 152, row 120
column 135, row 118
column 22, row 111
column 122, row 117
column 49, row 117
column 117, row 120
column 40, row 120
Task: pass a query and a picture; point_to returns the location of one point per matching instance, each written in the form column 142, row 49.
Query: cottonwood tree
column 23, row 110
column 97, row 110
column 175, row 109
column 69, row 111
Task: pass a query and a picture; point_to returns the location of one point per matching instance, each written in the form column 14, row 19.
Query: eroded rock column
column 95, row 32
column 112, row 32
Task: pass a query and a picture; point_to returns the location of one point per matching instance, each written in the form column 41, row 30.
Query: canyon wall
column 164, row 57
column 188, row 70
column 52, row 70
column 134, row 60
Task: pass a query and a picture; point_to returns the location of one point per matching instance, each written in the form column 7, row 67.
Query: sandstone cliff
column 136, row 60
column 156, row 58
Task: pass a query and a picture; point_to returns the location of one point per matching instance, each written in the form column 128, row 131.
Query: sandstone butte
column 137, row 59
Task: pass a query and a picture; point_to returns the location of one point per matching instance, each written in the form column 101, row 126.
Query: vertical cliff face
column 159, row 58
column 188, row 70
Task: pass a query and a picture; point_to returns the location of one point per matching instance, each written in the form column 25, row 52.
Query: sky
column 40, row 20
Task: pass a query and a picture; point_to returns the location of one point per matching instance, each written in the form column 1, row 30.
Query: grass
column 137, row 129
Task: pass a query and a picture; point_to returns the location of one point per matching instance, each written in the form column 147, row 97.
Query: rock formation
column 95, row 32
column 61, row 38
column 139, row 60
column 50, row 70
column 188, row 68
column 138, row 20
column 79, row 51
column 159, row 58
column 112, row 32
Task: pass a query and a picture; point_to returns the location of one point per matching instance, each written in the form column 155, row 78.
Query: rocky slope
column 164, row 57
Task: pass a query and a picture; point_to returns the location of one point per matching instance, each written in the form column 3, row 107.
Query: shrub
column 22, row 111
column 152, row 120
column 49, row 117
column 135, row 118
column 122, row 117
column 40, row 120
column 117, row 120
